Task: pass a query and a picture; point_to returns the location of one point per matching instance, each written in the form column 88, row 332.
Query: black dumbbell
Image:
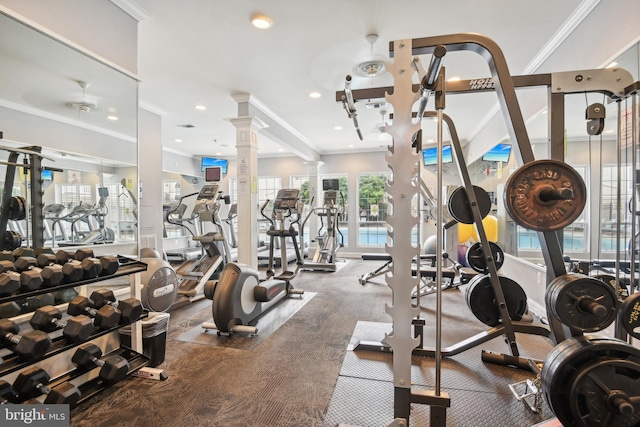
column 27, row 305
column 6, row 256
column 9, row 283
column 29, row 280
column 6, row 392
column 91, row 266
column 48, row 319
column 130, row 309
column 72, row 272
column 33, row 382
column 20, row 252
column 64, row 295
column 51, row 274
column 106, row 317
column 110, row 265
column 31, row 345
column 112, row 369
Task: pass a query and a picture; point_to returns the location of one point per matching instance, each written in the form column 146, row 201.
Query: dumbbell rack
column 12, row 363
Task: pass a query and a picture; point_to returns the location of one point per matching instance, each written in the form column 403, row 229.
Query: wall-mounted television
column 213, row 174
column 429, row 155
column 47, row 175
column 499, row 153
column 208, row 162
column 331, row 184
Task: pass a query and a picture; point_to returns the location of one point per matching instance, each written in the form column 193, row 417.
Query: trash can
column 154, row 337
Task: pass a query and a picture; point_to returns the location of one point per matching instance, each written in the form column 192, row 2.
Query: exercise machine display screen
column 213, row 174
column 209, row 192
column 286, row 199
column 103, row 192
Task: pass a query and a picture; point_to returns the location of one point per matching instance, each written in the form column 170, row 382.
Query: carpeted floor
column 289, row 378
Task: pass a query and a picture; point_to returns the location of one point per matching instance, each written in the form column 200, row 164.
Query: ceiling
column 202, row 52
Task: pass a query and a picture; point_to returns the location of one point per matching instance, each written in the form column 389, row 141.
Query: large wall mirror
column 82, row 113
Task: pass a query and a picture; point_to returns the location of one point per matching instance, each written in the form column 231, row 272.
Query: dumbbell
column 106, row 317
column 48, row 319
column 31, row 345
column 112, row 369
column 72, row 272
column 6, row 392
column 33, row 382
column 51, row 274
column 9, row 283
column 130, row 309
column 20, row 252
column 14, row 308
column 29, row 280
column 91, row 267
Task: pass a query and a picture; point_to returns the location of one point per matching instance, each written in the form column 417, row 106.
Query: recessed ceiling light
column 112, row 117
column 350, row 145
column 177, row 140
column 218, row 154
column 281, row 149
column 337, row 127
column 315, row 95
column 200, row 107
column 430, row 140
column 454, row 79
column 612, row 65
column 608, row 131
column 261, row 21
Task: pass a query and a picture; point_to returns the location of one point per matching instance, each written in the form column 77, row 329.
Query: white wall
column 98, row 26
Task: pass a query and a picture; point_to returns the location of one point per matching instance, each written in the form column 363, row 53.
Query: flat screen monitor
column 429, row 155
column 208, row 162
column 47, row 175
column 213, row 174
column 499, row 153
column 331, row 184
column 103, row 192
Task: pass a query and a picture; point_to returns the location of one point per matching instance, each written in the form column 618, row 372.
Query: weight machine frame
column 400, row 342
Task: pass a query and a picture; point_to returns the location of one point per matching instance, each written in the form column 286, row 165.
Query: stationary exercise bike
column 239, row 297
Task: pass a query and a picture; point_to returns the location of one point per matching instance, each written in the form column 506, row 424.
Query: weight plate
column 545, row 195
column 621, row 289
column 11, row 240
column 477, row 260
column 630, row 315
column 17, row 208
column 482, row 302
column 563, row 365
column 602, row 391
column 582, row 302
column 460, row 207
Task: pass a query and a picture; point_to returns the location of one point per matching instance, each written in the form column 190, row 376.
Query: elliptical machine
column 327, row 241
column 194, row 274
column 239, row 297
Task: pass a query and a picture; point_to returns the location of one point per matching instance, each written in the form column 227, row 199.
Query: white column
column 247, row 174
column 315, row 194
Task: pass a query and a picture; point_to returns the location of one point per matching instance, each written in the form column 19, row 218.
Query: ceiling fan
column 382, row 126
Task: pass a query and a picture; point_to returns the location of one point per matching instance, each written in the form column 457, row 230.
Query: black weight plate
column 460, row 207
column 570, row 299
column 476, row 258
column 630, row 315
column 601, row 392
column 482, row 303
column 17, row 208
column 623, row 292
column 11, row 240
column 565, row 361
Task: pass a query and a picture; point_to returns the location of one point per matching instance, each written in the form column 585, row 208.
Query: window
column 609, row 207
column 372, row 210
